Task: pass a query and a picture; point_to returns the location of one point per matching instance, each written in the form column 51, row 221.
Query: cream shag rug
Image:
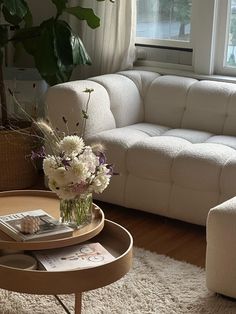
column 156, row 284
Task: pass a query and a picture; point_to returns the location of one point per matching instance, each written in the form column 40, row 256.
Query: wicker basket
column 16, row 168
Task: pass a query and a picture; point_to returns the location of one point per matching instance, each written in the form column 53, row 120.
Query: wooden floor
column 179, row 240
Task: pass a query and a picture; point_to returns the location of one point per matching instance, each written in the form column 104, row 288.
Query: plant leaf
column 45, row 58
column 65, row 53
column 14, row 11
column 87, row 14
column 62, row 43
column 56, row 50
column 80, row 55
column 60, row 5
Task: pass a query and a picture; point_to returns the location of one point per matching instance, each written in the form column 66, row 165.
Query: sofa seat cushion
column 181, row 172
column 226, row 140
column 152, row 158
column 193, row 136
column 119, row 140
column 156, row 145
column 182, row 179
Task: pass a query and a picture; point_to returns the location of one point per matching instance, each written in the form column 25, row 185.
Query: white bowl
column 22, row 261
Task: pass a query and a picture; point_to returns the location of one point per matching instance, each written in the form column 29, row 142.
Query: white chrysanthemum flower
column 52, row 184
column 71, row 145
column 49, row 165
column 63, row 192
column 88, row 157
column 78, row 171
column 61, row 176
column 101, row 181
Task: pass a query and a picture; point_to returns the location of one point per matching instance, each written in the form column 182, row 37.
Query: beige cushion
column 207, row 106
column 165, row 100
column 126, row 102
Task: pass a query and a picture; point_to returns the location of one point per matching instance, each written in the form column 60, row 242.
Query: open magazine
column 49, row 227
column 73, row 257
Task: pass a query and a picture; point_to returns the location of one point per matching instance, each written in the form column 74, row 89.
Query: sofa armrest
column 222, row 216
column 68, row 99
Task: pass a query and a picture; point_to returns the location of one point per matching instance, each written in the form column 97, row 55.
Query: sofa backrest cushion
column 165, row 100
column 125, row 99
column 142, row 79
column 211, row 107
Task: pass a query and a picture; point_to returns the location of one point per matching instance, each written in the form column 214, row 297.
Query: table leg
column 78, row 303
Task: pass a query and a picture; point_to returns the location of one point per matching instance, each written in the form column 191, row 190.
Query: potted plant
column 56, row 51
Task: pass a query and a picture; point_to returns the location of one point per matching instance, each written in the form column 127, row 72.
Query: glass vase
column 76, row 212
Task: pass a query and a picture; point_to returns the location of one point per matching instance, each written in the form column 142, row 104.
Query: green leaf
column 14, row 11
column 53, row 61
column 62, row 43
column 62, row 52
column 45, row 58
column 60, row 5
column 55, row 49
column 80, row 55
column 12, row 19
column 85, row 14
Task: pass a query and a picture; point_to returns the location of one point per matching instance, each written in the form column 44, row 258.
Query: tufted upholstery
column 172, row 139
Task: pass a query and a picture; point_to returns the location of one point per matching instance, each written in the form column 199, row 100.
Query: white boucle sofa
column 172, row 139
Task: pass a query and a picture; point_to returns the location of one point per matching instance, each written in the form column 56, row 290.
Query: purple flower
column 102, row 158
column 39, row 154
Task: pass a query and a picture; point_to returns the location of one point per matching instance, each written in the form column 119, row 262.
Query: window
column 230, row 59
column 165, row 22
column 207, row 27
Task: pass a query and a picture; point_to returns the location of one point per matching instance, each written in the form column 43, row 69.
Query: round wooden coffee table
column 116, row 239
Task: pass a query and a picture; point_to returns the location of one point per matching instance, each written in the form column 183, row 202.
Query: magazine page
column 74, row 257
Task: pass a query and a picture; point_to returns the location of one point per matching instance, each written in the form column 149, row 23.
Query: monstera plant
column 55, row 48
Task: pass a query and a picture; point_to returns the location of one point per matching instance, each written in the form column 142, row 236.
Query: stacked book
column 49, row 227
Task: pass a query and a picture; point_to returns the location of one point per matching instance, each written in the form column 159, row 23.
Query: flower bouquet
column 74, row 170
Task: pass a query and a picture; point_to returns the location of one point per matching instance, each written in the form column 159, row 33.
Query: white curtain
column 111, row 46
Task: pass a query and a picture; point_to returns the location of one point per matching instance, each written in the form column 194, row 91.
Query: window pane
column 164, row 19
column 231, row 53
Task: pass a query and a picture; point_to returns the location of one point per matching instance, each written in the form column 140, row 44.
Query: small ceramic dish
column 22, row 261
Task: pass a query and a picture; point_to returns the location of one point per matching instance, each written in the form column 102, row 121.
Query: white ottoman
column 221, row 249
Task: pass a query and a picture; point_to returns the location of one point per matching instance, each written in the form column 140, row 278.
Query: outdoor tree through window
column 164, row 19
